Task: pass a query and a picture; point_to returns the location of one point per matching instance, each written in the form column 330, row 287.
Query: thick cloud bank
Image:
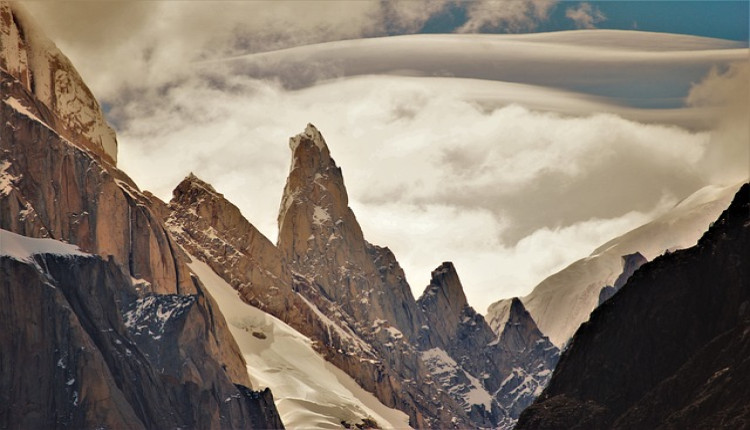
column 512, row 155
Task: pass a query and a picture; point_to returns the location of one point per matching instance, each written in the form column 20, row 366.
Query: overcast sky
column 508, row 151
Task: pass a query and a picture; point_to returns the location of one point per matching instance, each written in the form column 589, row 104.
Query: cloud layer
column 508, row 193
column 510, row 155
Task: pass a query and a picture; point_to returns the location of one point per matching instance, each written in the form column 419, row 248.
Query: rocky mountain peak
column 193, row 188
column 444, row 305
column 446, row 285
column 212, row 228
column 517, row 312
column 310, row 135
column 314, row 206
column 521, row 332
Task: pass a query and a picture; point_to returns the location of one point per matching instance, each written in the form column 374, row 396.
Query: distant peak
column 193, row 182
column 519, row 315
column 517, row 307
column 445, row 283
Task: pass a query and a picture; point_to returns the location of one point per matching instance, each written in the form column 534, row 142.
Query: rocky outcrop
column 323, row 244
column 630, row 263
column 528, row 360
column 322, row 240
column 508, row 369
column 94, row 363
column 681, row 322
column 53, row 188
column 39, row 67
column 229, row 242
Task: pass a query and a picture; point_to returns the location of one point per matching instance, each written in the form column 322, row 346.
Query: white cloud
column 125, row 45
column 455, row 162
column 506, row 16
column 430, row 173
column 585, row 15
column 619, row 65
column 728, row 93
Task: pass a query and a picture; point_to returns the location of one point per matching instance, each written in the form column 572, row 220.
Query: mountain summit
column 322, row 240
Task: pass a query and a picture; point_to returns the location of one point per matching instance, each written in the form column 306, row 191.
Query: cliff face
column 513, row 364
column 322, row 240
column 100, row 356
column 58, row 182
column 682, row 322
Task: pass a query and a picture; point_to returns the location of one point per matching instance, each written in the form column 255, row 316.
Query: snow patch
column 23, row 110
column 320, row 215
column 151, row 314
column 22, row 248
column 6, row 179
column 447, row 371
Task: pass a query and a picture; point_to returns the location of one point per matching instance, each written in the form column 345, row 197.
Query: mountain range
column 132, row 312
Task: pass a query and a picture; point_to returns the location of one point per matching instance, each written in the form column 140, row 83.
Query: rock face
column 39, row 67
column 352, row 311
column 100, row 356
column 58, row 181
column 682, row 321
column 322, row 240
column 508, row 370
column 435, row 359
column 212, row 229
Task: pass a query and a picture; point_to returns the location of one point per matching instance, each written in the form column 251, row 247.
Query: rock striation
column 682, row 322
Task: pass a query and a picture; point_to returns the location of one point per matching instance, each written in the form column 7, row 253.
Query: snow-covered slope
column 309, row 391
column 563, row 301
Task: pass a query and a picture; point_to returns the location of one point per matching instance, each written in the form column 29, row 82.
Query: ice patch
column 446, row 371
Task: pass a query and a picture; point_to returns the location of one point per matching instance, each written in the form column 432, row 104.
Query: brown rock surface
column 353, row 300
column 72, row 358
column 322, row 240
column 34, row 60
